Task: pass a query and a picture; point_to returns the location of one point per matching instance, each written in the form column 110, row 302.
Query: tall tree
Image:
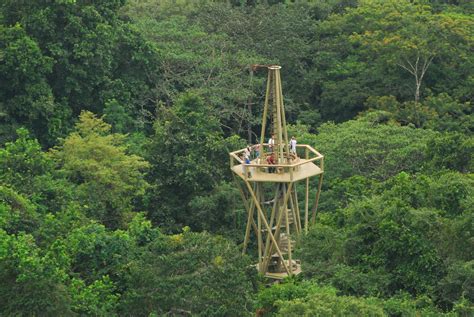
column 389, row 48
column 192, row 57
column 96, row 161
column 25, row 95
column 188, row 151
column 189, row 273
column 31, row 283
column 412, row 37
column 75, row 55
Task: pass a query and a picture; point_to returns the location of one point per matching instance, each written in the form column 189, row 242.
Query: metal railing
column 310, row 155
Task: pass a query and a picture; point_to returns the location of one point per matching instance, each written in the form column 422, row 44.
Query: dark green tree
column 67, row 56
column 189, row 273
column 25, row 95
column 187, row 152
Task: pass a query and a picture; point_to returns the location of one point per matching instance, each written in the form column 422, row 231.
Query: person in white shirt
column 271, row 143
column 293, row 145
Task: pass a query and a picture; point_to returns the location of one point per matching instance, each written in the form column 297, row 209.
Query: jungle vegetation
column 117, row 116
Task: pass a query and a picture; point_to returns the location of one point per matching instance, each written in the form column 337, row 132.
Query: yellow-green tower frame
column 269, row 191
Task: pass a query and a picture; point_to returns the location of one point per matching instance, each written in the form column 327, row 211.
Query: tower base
column 282, row 274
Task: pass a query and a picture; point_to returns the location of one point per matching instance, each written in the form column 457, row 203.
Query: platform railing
column 310, row 155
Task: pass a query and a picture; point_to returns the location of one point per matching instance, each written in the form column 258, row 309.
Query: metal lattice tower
column 269, row 190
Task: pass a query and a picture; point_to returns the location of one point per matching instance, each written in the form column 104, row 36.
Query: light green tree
column 107, row 179
column 31, row 283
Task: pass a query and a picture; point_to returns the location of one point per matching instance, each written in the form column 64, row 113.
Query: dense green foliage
column 116, row 117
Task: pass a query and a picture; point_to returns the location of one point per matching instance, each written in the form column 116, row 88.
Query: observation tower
column 268, row 186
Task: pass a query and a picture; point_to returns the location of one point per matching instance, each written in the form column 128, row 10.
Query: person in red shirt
column 271, row 160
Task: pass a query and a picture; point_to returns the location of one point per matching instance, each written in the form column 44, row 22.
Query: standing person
column 246, row 161
column 247, row 152
column 271, row 143
column 293, row 145
column 256, row 148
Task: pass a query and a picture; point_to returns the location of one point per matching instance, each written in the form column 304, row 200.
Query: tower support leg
column 315, row 206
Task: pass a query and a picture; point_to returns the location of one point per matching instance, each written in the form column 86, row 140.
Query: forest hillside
column 117, row 117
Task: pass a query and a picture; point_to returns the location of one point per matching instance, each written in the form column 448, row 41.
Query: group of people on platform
column 292, row 144
column 270, row 158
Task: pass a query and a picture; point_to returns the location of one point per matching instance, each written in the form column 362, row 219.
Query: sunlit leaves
column 107, row 178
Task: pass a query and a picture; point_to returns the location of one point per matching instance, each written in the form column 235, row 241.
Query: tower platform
column 282, row 174
column 296, row 169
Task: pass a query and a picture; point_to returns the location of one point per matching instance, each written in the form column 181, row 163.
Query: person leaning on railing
column 271, row 160
column 247, row 153
column 245, row 160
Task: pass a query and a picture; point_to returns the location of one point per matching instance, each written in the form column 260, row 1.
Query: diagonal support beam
column 269, row 229
column 298, row 213
column 268, row 245
column 293, row 203
column 249, row 208
column 306, row 205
